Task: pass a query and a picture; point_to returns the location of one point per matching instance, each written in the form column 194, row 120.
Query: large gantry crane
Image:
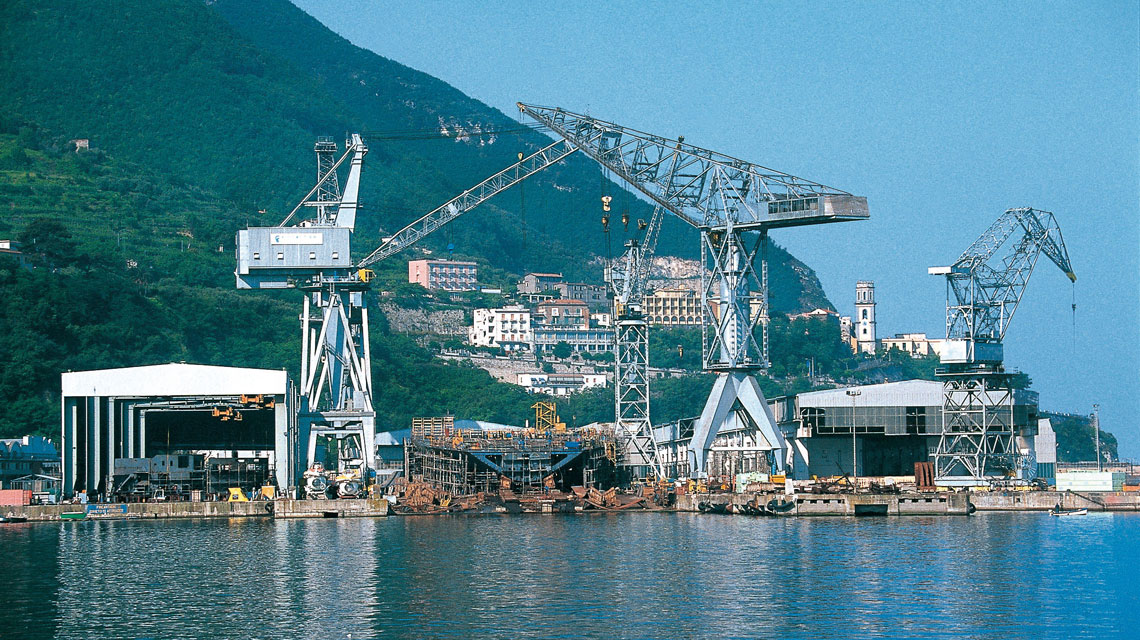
column 733, row 204
column 978, row 444
column 313, row 255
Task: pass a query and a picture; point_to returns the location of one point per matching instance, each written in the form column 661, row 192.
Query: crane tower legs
column 631, row 388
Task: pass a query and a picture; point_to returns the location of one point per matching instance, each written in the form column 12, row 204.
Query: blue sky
column 942, row 114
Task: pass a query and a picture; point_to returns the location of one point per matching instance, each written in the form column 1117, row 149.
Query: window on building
column 915, row 420
column 864, row 314
column 813, row 417
column 864, row 330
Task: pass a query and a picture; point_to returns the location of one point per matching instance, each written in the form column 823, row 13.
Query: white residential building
column 507, row 327
column 560, row 384
column 916, row 344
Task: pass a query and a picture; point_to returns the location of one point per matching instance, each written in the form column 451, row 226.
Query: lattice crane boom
column 726, row 199
column 982, row 295
column 469, row 199
column 702, row 187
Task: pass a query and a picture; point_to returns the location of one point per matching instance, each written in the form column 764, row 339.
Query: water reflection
column 603, row 575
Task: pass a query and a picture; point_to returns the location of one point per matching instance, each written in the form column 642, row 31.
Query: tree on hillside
column 562, row 350
column 48, row 239
column 1076, row 441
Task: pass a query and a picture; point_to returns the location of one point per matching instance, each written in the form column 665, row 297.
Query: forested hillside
column 201, row 119
column 228, row 96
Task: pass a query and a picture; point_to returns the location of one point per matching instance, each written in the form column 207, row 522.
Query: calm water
column 625, row 575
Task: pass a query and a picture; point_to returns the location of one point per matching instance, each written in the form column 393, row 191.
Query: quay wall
column 843, row 504
column 1045, row 500
column 331, row 508
column 161, row 510
column 141, row 510
column 941, row 503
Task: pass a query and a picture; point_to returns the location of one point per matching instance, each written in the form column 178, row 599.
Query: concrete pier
column 160, row 510
column 330, row 508
column 1045, row 500
column 846, row 504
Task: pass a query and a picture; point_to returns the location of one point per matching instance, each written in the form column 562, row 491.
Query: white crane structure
column 335, row 381
column 978, row 444
column 733, row 203
column 627, row 276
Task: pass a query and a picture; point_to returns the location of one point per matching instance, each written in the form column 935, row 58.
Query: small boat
column 1068, row 512
column 12, row 519
column 73, row 515
column 777, row 507
column 705, row 507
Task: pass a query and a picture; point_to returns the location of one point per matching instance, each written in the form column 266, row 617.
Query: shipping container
column 15, row 497
column 1090, row 481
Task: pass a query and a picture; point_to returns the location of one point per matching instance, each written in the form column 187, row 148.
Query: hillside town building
column 446, row 275
column 506, row 327
column 560, row 384
column 673, row 307
column 539, row 282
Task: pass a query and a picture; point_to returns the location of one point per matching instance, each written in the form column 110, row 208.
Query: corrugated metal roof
column 911, row 393
column 174, row 379
column 914, row 393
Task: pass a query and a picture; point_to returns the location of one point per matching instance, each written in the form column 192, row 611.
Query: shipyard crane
column 627, row 276
column 733, row 204
column 313, row 255
column 978, row 443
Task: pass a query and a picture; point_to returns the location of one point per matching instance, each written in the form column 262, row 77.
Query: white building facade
column 865, row 317
column 915, row 344
column 560, row 384
column 506, row 327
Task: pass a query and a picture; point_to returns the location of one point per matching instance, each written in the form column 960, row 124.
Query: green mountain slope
column 127, row 282
column 201, row 119
column 228, row 96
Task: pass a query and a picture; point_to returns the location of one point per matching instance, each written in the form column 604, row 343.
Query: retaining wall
column 1045, row 500
column 157, row 510
column 330, row 508
column 844, row 504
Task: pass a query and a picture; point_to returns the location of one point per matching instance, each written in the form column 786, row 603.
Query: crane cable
column 1073, row 345
column 522, row 214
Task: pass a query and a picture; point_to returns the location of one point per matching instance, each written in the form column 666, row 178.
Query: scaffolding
column 467, row 461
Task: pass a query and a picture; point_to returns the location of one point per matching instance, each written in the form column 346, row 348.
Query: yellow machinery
column 237, row 495
column 546, row 418
column 268, row 492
